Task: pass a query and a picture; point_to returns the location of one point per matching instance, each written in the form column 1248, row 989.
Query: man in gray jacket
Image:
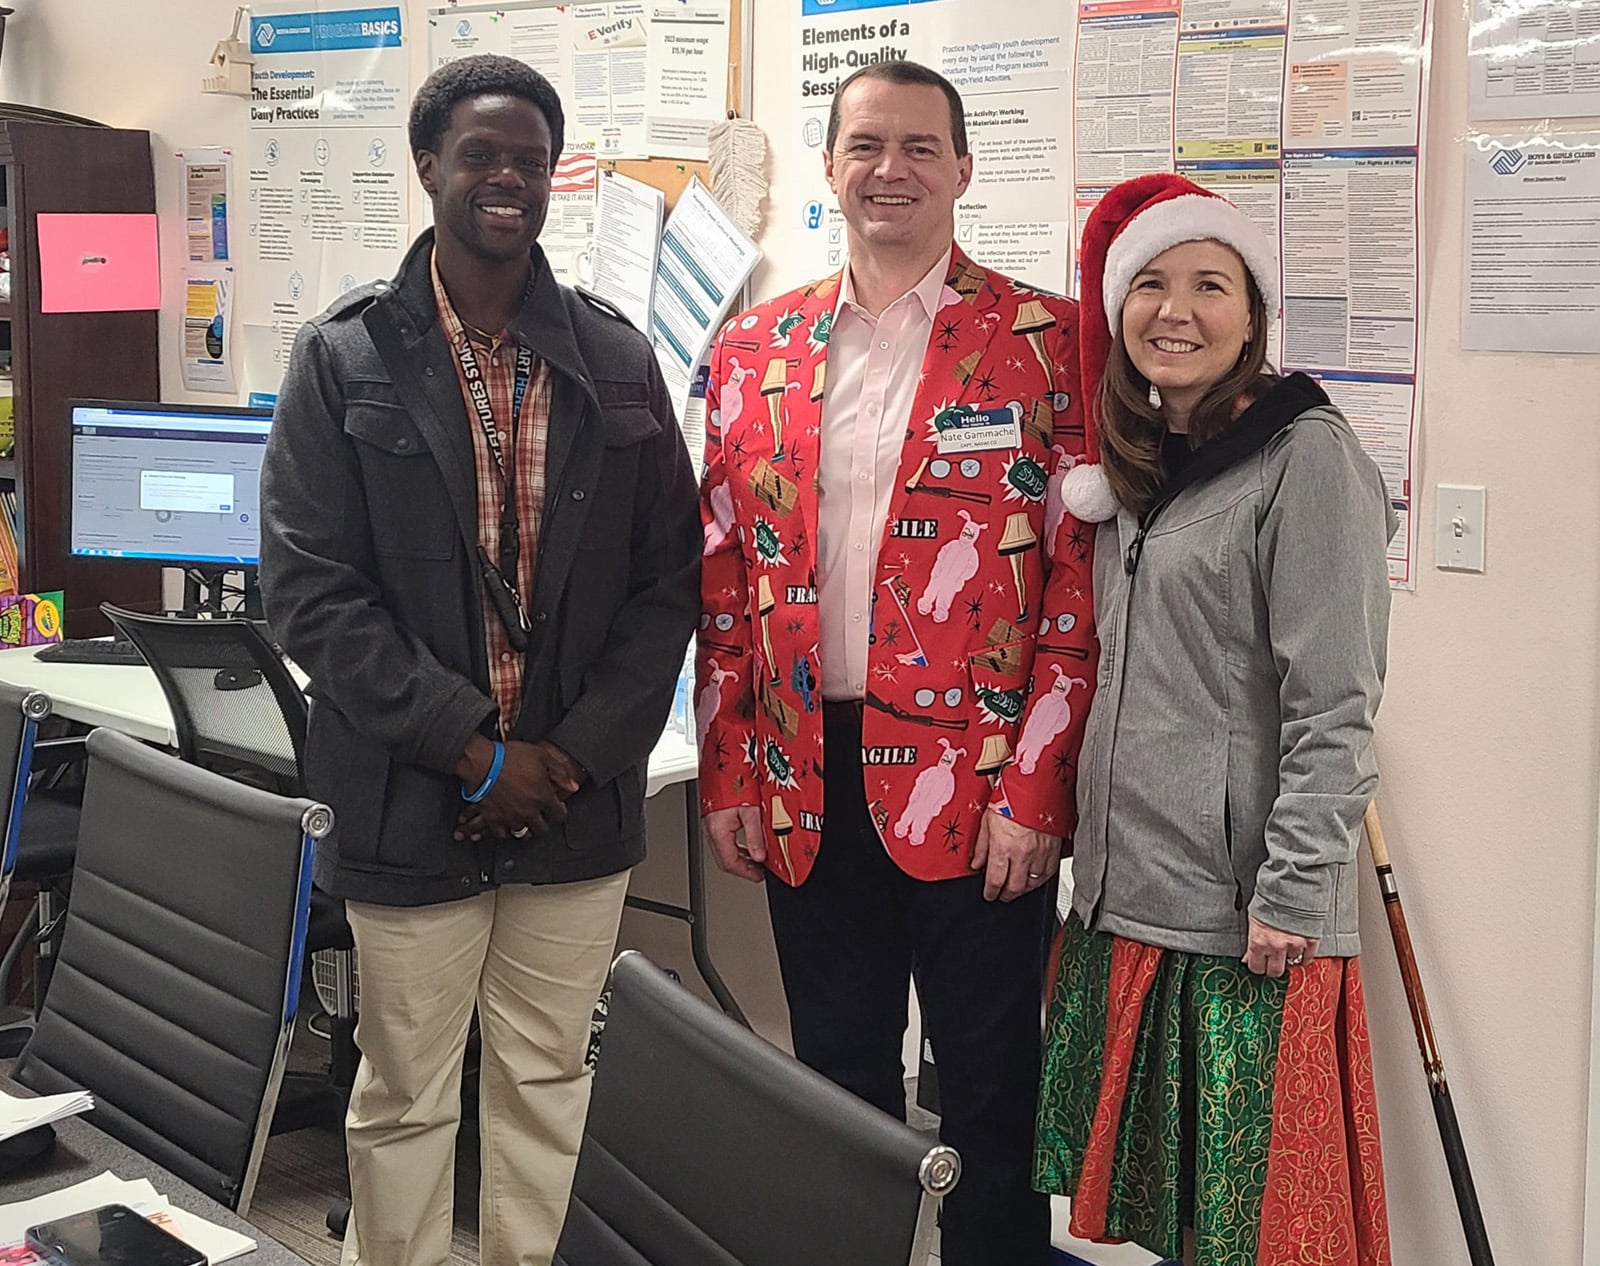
column 482, row 544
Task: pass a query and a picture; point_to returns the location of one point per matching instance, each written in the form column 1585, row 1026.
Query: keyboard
column 91, row 650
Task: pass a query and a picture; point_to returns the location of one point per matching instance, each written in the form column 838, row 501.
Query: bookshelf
column 56, row 356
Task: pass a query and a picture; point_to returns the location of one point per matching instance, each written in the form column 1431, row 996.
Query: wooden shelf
column 75, row 170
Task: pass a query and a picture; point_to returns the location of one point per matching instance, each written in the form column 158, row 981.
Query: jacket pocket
column 604, row 813
column 351, row 774
column 1227, row 840
column 571, row 682
column 628, row 424
column 407, row 503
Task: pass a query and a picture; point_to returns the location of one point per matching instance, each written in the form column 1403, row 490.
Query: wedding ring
column 1033, row 874
column 1297, row 960
column 521, row 833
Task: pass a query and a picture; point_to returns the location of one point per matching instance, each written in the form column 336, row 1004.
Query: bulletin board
column 670, row 175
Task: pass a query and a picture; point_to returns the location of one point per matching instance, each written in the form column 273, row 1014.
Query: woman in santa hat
column 1207, row 1086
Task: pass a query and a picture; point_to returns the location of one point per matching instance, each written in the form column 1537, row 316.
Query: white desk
column 130, row 699
column 122, row 698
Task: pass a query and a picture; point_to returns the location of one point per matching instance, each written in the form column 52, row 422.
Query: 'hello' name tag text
column 964, row 429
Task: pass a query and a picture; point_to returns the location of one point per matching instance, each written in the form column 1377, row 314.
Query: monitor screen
column 168, row 483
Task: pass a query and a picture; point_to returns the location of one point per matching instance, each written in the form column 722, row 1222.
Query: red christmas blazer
column 982, row 650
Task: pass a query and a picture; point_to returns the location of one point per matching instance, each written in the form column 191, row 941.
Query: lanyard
column 502, row 580
column 478, row 393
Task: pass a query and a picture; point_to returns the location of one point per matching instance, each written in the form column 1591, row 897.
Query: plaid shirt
column 497, row 362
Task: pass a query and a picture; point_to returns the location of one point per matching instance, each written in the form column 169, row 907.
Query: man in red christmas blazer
column 892, row 593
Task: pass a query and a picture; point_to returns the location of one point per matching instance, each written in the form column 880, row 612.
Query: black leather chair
column 238, row 710
column 706, row 1146
column 38, row 839
column 179, row 974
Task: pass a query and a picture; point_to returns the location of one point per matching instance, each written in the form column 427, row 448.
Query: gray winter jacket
column 1228, row 758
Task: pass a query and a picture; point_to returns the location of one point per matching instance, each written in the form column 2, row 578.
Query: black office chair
column 706, row 1146
column 38, row 838
column 238, row 710
column 179, row 974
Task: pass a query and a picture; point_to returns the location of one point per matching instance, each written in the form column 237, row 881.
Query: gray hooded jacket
column 1228, row 757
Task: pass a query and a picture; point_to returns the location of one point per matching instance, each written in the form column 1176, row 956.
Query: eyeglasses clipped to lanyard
column 500, row 575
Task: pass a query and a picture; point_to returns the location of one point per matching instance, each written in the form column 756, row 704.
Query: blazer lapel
column 963, row 329
column 790, row 358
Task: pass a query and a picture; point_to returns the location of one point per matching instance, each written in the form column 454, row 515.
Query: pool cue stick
column 1444, row 1110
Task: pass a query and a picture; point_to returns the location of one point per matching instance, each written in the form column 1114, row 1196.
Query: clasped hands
column 530, row 794
column 1014, row 858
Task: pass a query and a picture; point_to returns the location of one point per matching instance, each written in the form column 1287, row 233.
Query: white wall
column 1488, row 736
column 1487, row 744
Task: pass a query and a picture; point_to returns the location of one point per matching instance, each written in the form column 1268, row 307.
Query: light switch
column 1461, row 514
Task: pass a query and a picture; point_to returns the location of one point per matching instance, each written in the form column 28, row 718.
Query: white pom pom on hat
column 1136, row 221
column 1086, row 492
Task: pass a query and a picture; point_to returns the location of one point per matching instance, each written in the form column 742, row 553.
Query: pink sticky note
column 98, row 263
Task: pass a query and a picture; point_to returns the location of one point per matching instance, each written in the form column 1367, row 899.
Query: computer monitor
column 177, row 484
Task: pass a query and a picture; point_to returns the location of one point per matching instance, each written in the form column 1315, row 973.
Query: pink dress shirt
column 873, row 367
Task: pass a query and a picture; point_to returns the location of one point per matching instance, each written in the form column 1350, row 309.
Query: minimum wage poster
column 637, row 78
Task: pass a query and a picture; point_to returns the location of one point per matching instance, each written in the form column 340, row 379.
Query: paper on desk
column 18, row 1114
column 218, row 1243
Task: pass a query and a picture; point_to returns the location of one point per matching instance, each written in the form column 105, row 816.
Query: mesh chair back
column 175, row 988
column 21, row 710
column 232, row 698
column 706, row 1146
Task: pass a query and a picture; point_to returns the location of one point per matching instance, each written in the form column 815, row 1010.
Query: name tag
column 963, row 429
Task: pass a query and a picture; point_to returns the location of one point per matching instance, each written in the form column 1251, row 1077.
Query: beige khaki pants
column 533, row 959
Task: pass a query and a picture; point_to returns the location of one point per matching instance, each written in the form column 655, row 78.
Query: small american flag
column 575, row 173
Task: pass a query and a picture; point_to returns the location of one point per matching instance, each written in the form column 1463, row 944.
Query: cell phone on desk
column 112, row 1235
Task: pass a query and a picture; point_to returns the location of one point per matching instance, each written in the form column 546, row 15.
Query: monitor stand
column 203, row 592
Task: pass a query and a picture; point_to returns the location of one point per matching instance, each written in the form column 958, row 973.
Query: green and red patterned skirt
column 1183, row 1090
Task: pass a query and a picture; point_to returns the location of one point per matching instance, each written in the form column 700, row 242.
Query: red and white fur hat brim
column 1136, row 221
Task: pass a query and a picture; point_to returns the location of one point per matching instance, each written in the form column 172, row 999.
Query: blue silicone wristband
column 472, row 797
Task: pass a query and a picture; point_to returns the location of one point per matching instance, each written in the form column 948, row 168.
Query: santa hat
column 1136, row 221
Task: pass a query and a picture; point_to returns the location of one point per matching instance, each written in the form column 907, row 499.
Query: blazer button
column 402, row 443
column 541, row 617
column 577, row 494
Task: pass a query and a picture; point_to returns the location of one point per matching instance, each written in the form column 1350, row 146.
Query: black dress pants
column 849, row 941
